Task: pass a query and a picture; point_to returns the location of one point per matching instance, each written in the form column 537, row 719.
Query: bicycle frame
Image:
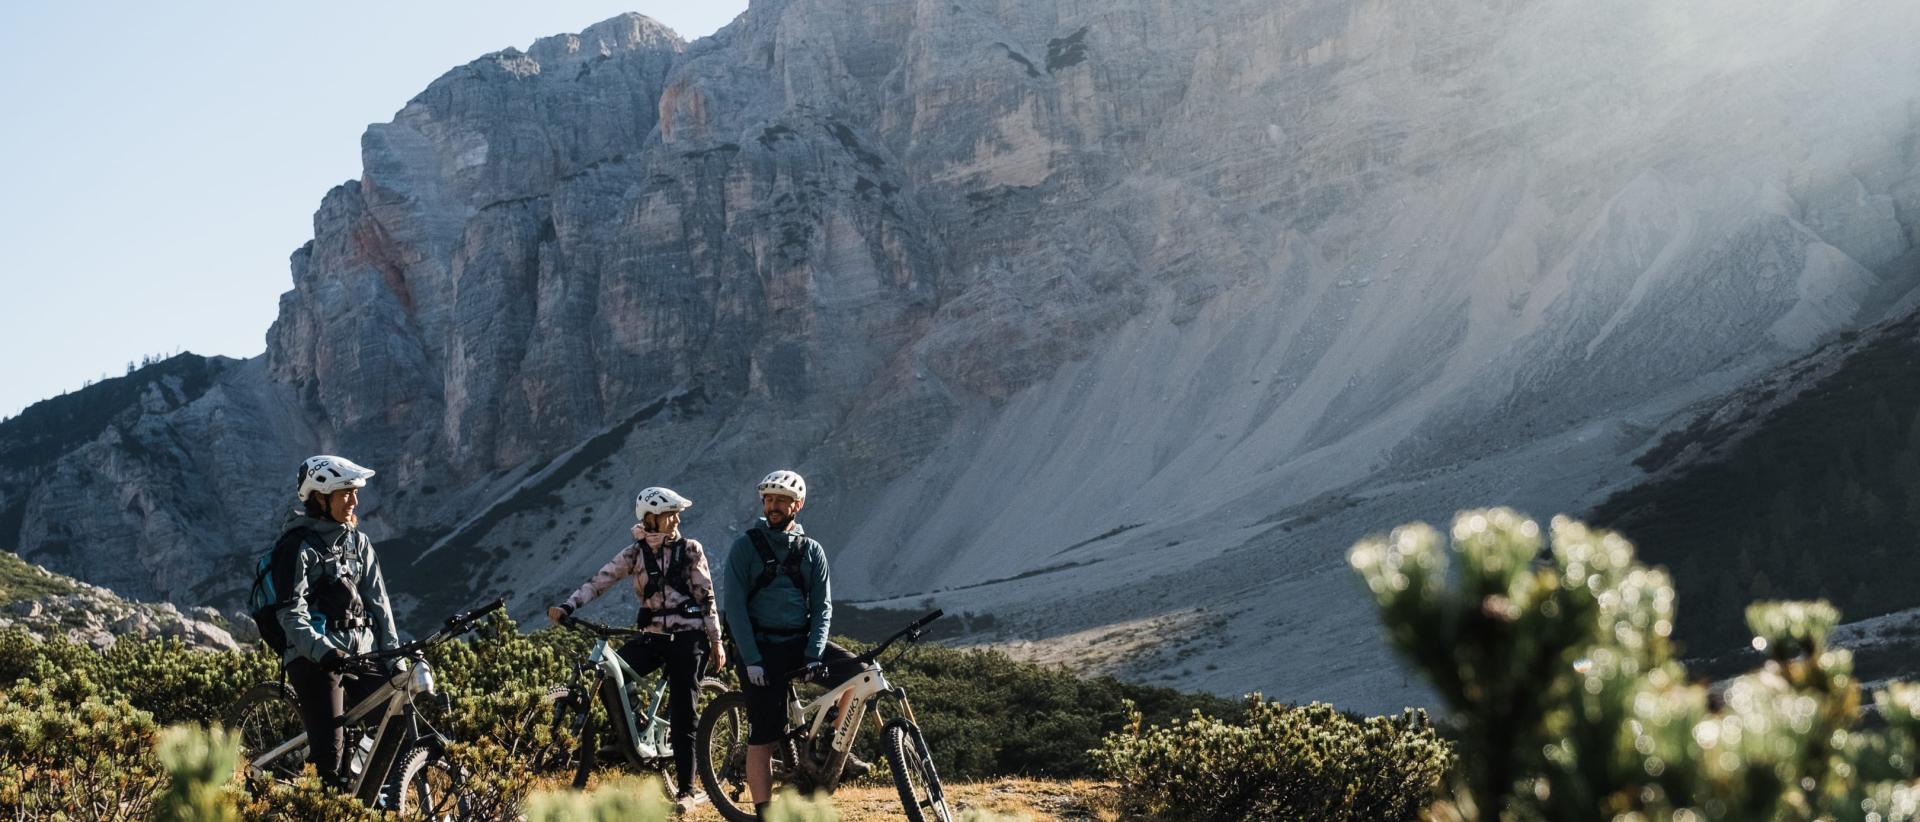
column 648, row 742
column 860, row 694
column 813, row 752
column 397, row 725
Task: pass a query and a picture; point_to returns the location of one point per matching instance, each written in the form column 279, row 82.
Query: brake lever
column 370, row 668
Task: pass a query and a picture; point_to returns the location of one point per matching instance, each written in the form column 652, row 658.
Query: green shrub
column 499, row 658
column 621, row 800
column 497, row 679
column 1557, row 665
column 202, row 766
column 75, row 761
column 965, row 702
column 498, row 780
column 166, row 678
column 307, row 799
column 180, row 684
column 1282, row 761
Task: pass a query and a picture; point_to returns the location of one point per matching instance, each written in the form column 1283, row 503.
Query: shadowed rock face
column 1077, row 313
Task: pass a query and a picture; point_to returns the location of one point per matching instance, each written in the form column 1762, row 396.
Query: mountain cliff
column 1117, row 322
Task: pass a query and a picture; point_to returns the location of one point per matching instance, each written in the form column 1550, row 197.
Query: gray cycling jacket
column 350, row 554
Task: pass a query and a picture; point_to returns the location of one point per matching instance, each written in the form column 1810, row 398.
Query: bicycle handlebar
column 597, row 629
column 456, row 625
column 910, row 633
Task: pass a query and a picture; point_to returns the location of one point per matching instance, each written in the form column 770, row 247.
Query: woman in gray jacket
column 334, row 604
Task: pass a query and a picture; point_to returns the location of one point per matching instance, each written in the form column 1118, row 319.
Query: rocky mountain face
column 46, row 604
column 1117, row 321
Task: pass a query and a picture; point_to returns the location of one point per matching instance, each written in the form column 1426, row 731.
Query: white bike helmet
column 785, row 483
column 328, row 474
column 657, row 500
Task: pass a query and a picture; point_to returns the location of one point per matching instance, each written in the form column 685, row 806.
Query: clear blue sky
column 163, row 159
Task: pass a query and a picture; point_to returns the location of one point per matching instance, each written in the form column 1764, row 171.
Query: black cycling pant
column 324, row 698
column 684, row 654
column 767, row 706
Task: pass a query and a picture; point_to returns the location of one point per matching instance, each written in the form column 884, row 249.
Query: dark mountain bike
column 820, row 737
column 573, row 729
column 397, row 760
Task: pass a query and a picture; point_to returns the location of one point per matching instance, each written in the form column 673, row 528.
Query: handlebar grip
column 923, row 621
column 464, row 617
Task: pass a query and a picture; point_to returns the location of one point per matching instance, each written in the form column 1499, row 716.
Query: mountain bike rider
column 680, row 625
column 335, row 604
column 778, row 602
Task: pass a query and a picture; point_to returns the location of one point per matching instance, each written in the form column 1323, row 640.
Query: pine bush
column 165, row 678
column 1280, row 762
column 1552, row 651
column 202, row 775
column 90, row 760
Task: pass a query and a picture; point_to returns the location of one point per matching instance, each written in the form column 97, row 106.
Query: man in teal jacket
column 777, row 598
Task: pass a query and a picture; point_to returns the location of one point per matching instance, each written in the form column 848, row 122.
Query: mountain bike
column 567, row 711
column 397, row 760
column 819, row 738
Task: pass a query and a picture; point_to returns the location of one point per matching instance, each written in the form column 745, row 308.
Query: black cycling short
column 767, row 706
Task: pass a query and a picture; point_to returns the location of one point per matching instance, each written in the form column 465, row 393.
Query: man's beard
column 778, row 519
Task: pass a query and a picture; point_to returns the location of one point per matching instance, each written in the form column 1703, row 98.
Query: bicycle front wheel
column 914, row 774
column 432, row 787
column 551, row 735
column 266, row 716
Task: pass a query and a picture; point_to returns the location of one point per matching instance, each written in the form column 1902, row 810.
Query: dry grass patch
column 1038, row 800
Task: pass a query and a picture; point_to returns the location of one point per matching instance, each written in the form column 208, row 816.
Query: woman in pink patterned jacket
column 677, row 615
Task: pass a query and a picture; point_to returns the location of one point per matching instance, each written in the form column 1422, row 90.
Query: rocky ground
column 45, row 603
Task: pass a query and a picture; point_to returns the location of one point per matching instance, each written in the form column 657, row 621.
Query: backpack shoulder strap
column 769, row 564
column 654, row 576
column 677, row 573
column 795, row 566
column 313, row 540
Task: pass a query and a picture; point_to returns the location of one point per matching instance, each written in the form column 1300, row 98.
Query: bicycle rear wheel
column 721, row 747
column 913, row 773
column 267, row 715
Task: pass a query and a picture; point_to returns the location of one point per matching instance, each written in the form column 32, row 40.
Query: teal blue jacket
column 780, row 608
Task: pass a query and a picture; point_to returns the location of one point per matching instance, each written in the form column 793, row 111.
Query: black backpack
column 266, row 600
column 772, row 567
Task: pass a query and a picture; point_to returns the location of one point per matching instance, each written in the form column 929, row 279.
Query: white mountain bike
column 397, row 761
column 568, row 715
column 820, row 737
